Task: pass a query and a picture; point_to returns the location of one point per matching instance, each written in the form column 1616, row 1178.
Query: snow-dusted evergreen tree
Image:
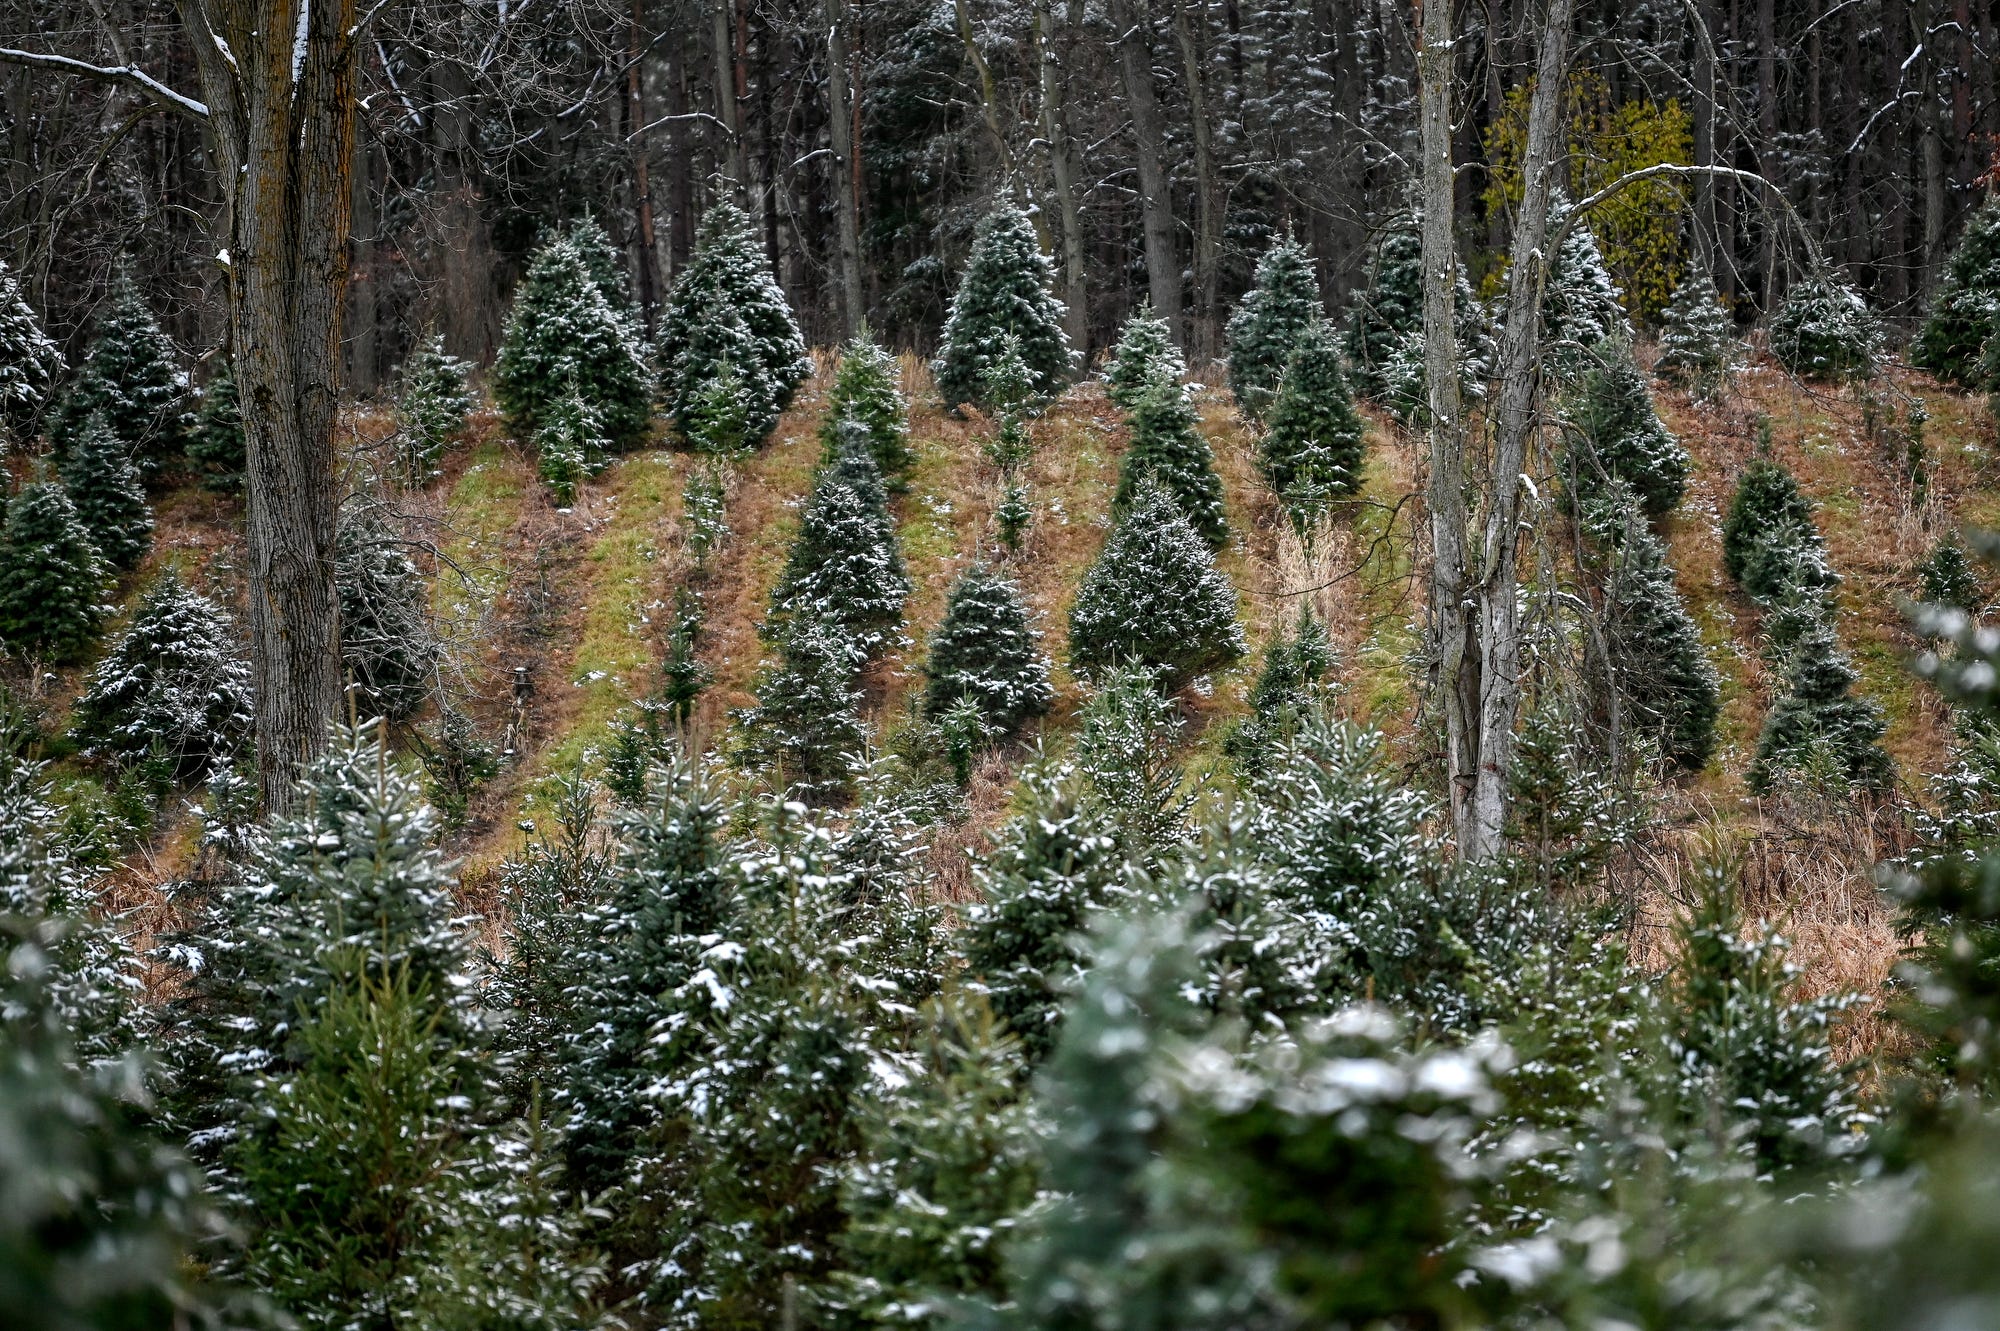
column 604, row 264
column 729, row 280
column 1013, row 516
column 132, row 378
column 806, row 728
column 1697, row 342
column 844, row 567
column 1145, row 353
column 1295, row 668
column 387, row 643
column 1945, row 577
column 1283, row 303
column 562, row 332
column 1961, row 322
column 109, row 494
column 985, row 650
column 1167, row 445
column 1618, row 436
column 570, row 445
column 1766, row 496
column 1004, row 290
column 866, row 390
column 30, row 363
column 1154, row 597
column 1581, row 305
column 433, row 400
column 1399, row 380
column 217, row 448
column 1386, row 310
column 51, row 577
column 727, row 414
column 1825, row 331
column 1818, row 725
column 174, row 687
column 1313, row 448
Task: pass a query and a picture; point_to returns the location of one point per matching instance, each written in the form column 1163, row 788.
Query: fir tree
column 109, row 495
column 1621, row 437
column 1945, row 577
column 1390, row 307
column 1167, row 446
column 1313, row 448
column 1154, row 597
column 131, row 379
column 30, row 363
column 1145, row 353
column 727, row 414
column 570, row 444
column 1766, row 496
column 1566, row 815
column 806, row 728
column 387, row 644
column 727, row 285
column 1013, row 516
column 603, row 262
column 1295, row 667
column 984, row 651
column 1825, row 331
column 562, row 333
column 865, row 390
column 1953, row 338
column 1581, row 305
column 1274, row 316
column 1004, row 290
column 174, row 687
column 844, row 567
column 1697, row 342
column 217, row 447
column 1818, row 725
column 433, row 400
column 51, row 577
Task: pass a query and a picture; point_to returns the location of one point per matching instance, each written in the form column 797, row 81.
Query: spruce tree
column 51, row 577
column 570, row 444
column 604, row 263
column 806, row 728
column 30, row 363
column 1697, row 342
column 174, row 686
column 727, row 414
column 1283, row 303
column 1167, row 446
column 1819, row 725
column 1620, row 437
column 217, row 448
column 1581, row 305
column 1825, row 331
column 1946, row 577
column 110, row 497
column 865, row 390
column 1004, row 290
column 561, row 333
column 985, row 651
column 844, row 567
column 387, row 643
column 1313, row 448
column 1013, row 516
column 1766, row 495
column 1145, row 353
column 1653, row 646
column 132, row 380
column 729, row 280
column 1390, row 307
column 433, row 400
column 1961, row 321
column 1154, row 597
column 1295, row 668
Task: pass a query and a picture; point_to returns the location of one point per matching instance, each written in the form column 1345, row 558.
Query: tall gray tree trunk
column 1156, row 205
column 1063, row 173
column 846, row 168
column 1203, row 327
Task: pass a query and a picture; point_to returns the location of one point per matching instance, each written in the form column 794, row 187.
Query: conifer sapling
column 109, row 494
column 866, row 390
column 1697, row 343
column 1825, row 331
column 1145, row 353
column 561, row 335
column 217, row 448
column 51, row 577
column 433, row 399
column 1620, row 437
column 1283, row 303
column 1005, row 289
column 1167, row 446
column 30, row 362
column 133, row 379
column 985, row 652
column 1313, row 448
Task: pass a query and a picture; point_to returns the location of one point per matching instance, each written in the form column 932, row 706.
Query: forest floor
column 581, row 599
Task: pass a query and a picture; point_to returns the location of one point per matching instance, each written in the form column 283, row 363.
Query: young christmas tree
column 1825, row 331
column 806, row 727
column 1819, row 725
column 1697, row 341
column 865, row 390
column 604, row 263
column 1581, row 305
column 217, row 448
column 570, row 444
column 1283, row 303
column 1946, row 577
column 1168, row 447
column 30, row 363
column 1295, row 668
column 1313, row 448
column 51, row 577
column 729, row 280
column 388, row 646
column 844, row 566
column 1961, row 321
column 1154, row 597
column 985, row 651
column 1766, row 496
column 1005, row 290
column 1013, row 516
column 561, row 333
column 109, row 494
column 174, row 687
column 1390, row 307
column 1620, row 437
column 1145, row 353
column 433, row 400
column 132, row 379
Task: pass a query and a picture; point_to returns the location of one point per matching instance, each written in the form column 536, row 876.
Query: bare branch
column 126, row 75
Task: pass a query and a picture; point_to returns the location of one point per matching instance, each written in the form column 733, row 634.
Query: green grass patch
column 482, row 509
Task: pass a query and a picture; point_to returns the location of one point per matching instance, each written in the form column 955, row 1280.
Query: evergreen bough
column 1005, row 289
column 1167, row 446
column 433, row 400
column 132, row 379
column 1282, row 305
column 1697, row 342
column 726, row 310
column 173, row 688
column 217, row 448
column 1313, row 448
column 51, row 577
column 1155, row 598
column 1825, row 331
column 1953, row 339
column 985, row 651
column 30, row 362
column 865, row 390
column 109, row 494
column 1619, row 436
column 562, row 334
column 1145, row 353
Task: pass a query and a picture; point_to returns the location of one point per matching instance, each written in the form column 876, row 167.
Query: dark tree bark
column 1156, row 205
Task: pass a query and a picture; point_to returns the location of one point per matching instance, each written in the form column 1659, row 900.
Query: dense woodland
column 969, row 665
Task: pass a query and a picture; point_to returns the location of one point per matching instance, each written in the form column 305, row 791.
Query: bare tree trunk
column 642, row 181
column 1062, row 171
column 1156, row 206
column 727, row 107
column 846, row 169
column 1207, row 187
